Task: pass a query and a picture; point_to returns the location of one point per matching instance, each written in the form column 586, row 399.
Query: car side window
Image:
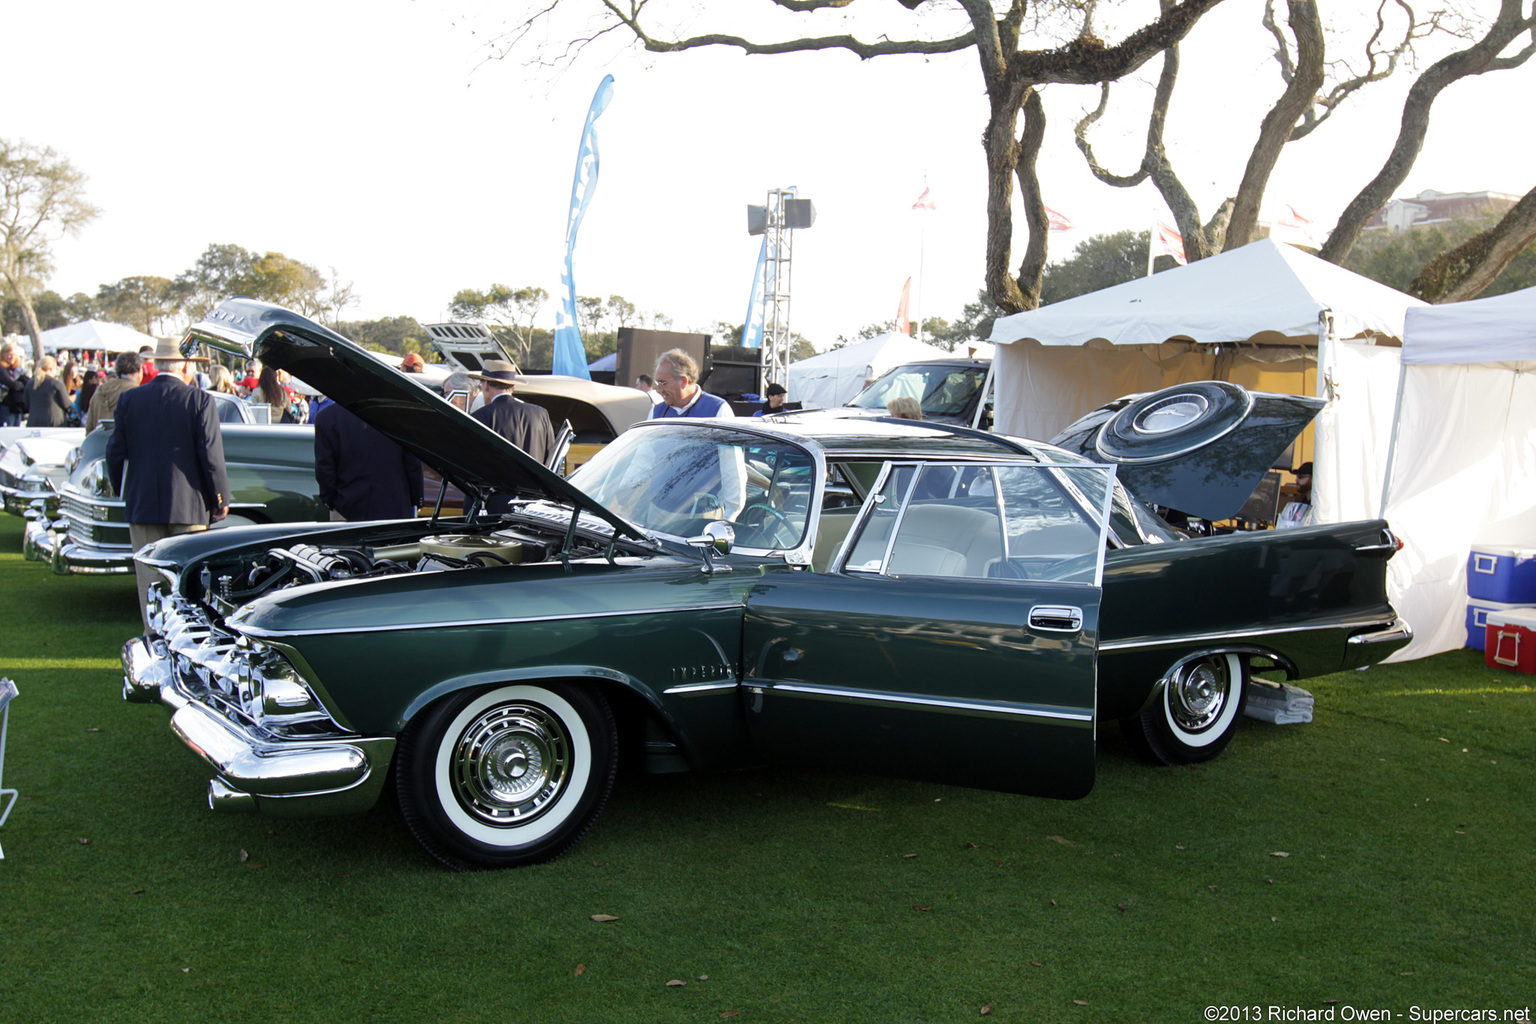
column 228, row 410
column 1011, row 521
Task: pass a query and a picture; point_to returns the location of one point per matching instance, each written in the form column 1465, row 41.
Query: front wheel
column 509, row 776
column 1195, row 714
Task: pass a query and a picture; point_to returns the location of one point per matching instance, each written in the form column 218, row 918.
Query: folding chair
column 7, row 691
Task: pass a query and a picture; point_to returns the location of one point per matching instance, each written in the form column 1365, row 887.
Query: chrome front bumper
column 18, row 499
column 252, row 772
column 46, row 541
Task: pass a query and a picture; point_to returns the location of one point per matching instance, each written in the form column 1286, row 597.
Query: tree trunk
column 1465, row 271
column 28, row 317
column 1002, row 150
column 1275, row 131
column 1032, row 267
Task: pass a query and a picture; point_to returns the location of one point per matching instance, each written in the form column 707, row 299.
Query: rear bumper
column 269, row 774
column 1373, row 645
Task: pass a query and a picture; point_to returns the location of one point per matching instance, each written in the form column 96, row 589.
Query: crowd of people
column 55, row 394
column 167, row 427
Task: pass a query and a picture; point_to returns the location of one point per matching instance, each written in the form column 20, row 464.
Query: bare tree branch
column 1465, row 271
column 1480, row 57
column 884, row 47
column 1013, row 77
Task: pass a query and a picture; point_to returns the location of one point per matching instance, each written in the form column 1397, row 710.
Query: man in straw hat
column 523, row 423
column 167, row 438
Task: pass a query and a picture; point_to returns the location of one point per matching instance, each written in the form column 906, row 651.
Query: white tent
column 832, row 378
column 1463, row 464
column 1262, row 316
column 95, row 334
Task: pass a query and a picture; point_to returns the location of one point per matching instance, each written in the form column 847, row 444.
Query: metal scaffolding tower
column 776, row 289
column 776, row 221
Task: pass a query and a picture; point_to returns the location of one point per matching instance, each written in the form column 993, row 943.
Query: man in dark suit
column 523, row 423
column 166, row 457
column 363, row 474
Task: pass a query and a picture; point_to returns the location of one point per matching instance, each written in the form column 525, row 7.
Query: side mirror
column 716, row 539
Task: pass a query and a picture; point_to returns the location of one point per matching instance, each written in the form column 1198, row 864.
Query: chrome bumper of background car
column 21, row 496
column 253, row 773
column 37, row 541
column 68, row 557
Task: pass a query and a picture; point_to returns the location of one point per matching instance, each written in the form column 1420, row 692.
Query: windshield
column 941, row 390
column 676, row 480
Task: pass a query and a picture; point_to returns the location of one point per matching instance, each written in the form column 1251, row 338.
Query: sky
column 375, row 140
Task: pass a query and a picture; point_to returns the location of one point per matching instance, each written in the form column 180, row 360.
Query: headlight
column 96, row 481
column 285, row 698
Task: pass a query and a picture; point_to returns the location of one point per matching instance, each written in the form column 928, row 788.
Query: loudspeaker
column 799, row 213
column 639, row 349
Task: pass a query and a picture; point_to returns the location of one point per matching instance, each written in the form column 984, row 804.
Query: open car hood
column 460, row 447
column 1199, row 447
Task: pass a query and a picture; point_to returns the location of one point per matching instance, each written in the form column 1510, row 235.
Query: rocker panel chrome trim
column 989, row 709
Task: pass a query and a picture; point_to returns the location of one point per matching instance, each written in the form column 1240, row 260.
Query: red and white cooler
column 1511, row 640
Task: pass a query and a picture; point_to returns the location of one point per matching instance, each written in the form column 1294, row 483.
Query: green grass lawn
column 1379, row 858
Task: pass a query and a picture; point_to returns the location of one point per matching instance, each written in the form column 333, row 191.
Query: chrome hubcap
column 1196, row 697
column 511, row 763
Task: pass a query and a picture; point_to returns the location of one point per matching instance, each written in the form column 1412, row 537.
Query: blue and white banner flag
column 570, row 355
column 752, row 327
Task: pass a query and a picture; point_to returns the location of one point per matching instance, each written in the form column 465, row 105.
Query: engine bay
column 227, row 585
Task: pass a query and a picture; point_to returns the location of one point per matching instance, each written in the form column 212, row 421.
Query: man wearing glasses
column 677, row 377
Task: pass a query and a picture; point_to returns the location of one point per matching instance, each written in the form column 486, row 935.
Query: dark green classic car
column 924, row 600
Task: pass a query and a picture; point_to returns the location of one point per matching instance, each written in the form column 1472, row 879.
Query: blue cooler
column 1477, row 620
column 1504, row 574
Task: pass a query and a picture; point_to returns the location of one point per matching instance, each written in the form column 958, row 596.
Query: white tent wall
column 1353, row 432
column 1463, row 473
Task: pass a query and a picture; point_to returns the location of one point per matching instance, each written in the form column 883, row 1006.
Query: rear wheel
column 509, row 776
column 1195, row 714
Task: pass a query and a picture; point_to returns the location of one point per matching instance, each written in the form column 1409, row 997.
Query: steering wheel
column 779, row 534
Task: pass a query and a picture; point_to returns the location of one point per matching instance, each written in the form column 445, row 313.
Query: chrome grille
column 77, row 508
column 242, row 680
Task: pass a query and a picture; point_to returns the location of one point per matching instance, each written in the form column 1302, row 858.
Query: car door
column 953, row 638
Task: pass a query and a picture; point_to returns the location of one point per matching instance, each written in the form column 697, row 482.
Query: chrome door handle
column 1056, row 618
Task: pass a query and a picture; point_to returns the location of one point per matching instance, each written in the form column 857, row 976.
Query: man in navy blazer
column 166, row 457
column 363, row 474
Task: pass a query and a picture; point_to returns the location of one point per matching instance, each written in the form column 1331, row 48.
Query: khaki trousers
column 142, row 535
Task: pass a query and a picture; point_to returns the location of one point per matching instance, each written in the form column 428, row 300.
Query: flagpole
column 1151, row 239
column 922, row 243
